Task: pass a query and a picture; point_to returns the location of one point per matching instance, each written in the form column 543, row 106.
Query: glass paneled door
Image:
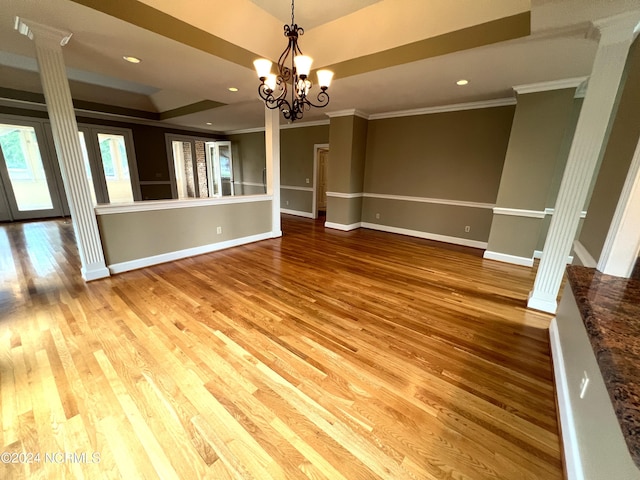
column 221, row 167
column 27, row 176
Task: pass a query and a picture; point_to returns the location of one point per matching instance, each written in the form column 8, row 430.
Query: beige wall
column 618, row 154
column 249, row 161
column 159, row 232
column 453, row 156
column 296, row 153
column 448, row 220
column 347, row 159
column 296, row 165
column 296, row 162
column 538, row 147
column 535, row 147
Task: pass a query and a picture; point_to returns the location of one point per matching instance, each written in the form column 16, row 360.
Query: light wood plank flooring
column 321, row 355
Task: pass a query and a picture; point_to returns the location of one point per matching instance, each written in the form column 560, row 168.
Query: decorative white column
column 616, row 36
column 621, row 247
column 272, row 145
column 55, row 85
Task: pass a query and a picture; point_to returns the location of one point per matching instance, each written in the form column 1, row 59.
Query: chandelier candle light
column 274, row 87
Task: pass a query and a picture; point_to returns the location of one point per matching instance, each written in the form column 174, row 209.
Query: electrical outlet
column 467, row 228
column 218, row 230
column 584, row 383
column 377, row 216
column 307, row 180
column 287, row 202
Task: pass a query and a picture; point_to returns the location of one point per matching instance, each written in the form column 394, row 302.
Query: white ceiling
column 173, row 74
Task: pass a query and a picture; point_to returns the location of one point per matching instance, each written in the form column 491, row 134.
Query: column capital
column 40, row 32
column 618, row 28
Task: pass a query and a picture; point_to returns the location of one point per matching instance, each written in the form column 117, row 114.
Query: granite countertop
column 610, row 308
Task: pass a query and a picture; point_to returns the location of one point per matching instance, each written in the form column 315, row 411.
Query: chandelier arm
column 322, row 98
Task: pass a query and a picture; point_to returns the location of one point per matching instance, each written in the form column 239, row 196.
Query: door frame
column 51, row 173
column 314, row 202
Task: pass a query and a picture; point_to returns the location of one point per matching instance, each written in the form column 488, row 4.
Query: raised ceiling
column 388, row 55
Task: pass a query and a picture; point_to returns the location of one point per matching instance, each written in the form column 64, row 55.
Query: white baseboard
column 188, row 252
column 538, row 254
column 341, row 226
column 297, row 213
column 426, row 235
column 504, row 257
column 95, row 272
column 567, row 422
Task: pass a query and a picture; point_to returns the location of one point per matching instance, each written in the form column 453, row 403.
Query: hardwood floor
column 323, row 354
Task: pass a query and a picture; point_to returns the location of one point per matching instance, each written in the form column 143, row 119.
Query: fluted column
column 616, row 36
column 55, row 85
column 272, row 145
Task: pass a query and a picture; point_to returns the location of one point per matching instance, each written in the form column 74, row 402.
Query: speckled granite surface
column 610, row 308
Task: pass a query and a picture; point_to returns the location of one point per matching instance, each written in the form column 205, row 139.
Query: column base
column 539, row 302
column 94, row 272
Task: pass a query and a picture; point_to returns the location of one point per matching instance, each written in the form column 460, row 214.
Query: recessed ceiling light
column 132, row 59
column 233, row 89
column 209, row 123
column 462, row 82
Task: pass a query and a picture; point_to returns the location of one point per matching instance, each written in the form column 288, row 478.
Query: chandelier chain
column 292, row 21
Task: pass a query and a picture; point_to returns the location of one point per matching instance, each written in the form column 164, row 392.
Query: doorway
column 26, row 174
column 321, row 161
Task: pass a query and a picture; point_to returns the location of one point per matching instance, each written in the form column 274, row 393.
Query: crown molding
column 549, row 86
column 351, row 112
column 287, row 126
column 500, row 102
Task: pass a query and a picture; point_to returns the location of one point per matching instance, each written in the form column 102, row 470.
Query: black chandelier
column 274, row 87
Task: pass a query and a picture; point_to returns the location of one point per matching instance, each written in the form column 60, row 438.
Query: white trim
column 583, row 255
column 187, row 252
column 295, row 187
column 550, row 211
column 342, row 226
column 539, row 302
column 499, row 102
column 249, row 184
column 351, row 112
column 518, row 212
column 573, row 464
column 94, row 272
column 344, row 195
column 538, row 254
column 314, row 123
column 149, row 205
column 112, row 117
column 441, row 201
column 506, row 258
column 244, row 130
column 426, row 235
column 297, row 213
column 548, row 86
